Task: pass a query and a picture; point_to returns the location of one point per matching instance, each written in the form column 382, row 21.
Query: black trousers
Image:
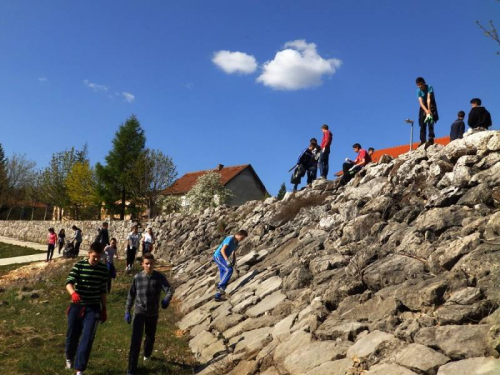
column 131, row 251
column 423, row 129
column 50, row 251
column 140, row 324
column 77, row 248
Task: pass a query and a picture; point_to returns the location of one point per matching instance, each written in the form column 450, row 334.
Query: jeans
column 82, row 327
column 61, row 245
column 423, row 129
column 141, row 322
column 77, row 248
column 347, row 173
column 312, row 173
column 50, row 251
column 225, row 271
column 323, row 162
column 131, row 251
column 146, row 248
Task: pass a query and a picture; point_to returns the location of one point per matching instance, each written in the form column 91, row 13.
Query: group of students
column 59, row 239
column 479, row 117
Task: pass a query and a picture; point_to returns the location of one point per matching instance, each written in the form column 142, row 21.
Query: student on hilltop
column 302, row 167
column 221, row 258
column 144, row 295
column 350, row 168
column 326, row 142
column 428, row 114
column 78, row 239
column 86, row 284
column 51, row 241
column 103, row 235
column 371, row 151
column 479, row 117
column 458, row 127
column 108, row 258
column 312, row 172
column 133, row 244
column 61, row 239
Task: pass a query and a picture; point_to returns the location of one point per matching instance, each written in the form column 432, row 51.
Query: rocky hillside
column 396, row 273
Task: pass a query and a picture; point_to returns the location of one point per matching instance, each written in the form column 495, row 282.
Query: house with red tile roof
column 400, row 150
column 241, row 180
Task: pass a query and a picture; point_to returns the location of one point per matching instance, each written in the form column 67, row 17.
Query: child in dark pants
column 51, row 239
column 144, row 295
column 86, row 284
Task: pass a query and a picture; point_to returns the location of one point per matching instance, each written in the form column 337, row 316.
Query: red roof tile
column 399, row 150
column 186, row 182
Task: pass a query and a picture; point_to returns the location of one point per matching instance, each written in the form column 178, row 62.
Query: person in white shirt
column 148, row 240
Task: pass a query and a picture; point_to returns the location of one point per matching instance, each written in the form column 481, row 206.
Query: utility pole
column 408, row 121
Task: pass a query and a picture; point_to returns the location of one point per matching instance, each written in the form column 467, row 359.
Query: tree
column 19, row 170
column 81, row 187
column 55, row 175
column 3, row 177
column 156, row 172
column 117, row 180
column 282, row 192
column 490, row 31
column 207, row 192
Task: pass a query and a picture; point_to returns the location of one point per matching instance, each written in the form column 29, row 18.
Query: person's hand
column 104, row 315
column 128, row 318
column 165, row 302
column 75, row 298
column 351, row 169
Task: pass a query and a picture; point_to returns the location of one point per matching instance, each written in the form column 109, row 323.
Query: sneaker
column 221, row 291
column 69, row 364
column 321, row 178
column 79, row 373
column 219, row 299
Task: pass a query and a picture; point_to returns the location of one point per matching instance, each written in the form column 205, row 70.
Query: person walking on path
column 78, row 238
column 458, row 127
column 60, row 241
column 350, row 168
column 302, row 167
column 148, row 240
column 427, row 114
column 132, row 246
column 221, row 258
column 479, row 117
column 108, row 258
column 86, row 284
column 144, row 296
column 103, row 235
column 326, row 142
column 51, row 240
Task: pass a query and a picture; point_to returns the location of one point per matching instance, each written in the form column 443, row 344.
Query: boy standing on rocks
column 428, row 114
column 221, row 258
column 86, row 285
column 145, row 292
column 326, row 142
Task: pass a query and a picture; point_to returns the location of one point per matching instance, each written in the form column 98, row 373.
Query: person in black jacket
column 103, row 235
column 479, row 117
column 303, row 163
column 458, row 127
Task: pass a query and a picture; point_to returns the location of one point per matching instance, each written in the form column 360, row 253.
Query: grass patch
column 33, row 329
column 11, row 267
column 9, row 251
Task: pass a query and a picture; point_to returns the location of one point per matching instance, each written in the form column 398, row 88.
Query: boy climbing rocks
column 144, row 295
column 86, row 284
column 221, row 258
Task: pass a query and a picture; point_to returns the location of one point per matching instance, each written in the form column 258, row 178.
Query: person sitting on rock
column 221, row 258
column 458, row 127
column 479, row 117
column 350, row 168
column 304, row 162
column 371, row 151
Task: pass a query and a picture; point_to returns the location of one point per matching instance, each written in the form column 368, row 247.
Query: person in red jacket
column 326, row 142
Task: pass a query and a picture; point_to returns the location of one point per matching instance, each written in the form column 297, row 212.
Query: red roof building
column 242, row 180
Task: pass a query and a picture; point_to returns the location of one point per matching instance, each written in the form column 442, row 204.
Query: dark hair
column 74, row 227
column 113, row 239
column 148, row 256
column 356, row 145
column 461, row 114
column 313, row 145
column 62, row 231
column 371, row 149
column 51, row 230
column 325, row 126
column 314, row 140
column 96, row 247
column 475, row 101
column 243, row 233
column 420, row 80
column 105, row 224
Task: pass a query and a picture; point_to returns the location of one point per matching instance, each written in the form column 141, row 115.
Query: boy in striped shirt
column 86, row 284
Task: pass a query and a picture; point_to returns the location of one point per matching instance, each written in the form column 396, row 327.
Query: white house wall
column 245, row 188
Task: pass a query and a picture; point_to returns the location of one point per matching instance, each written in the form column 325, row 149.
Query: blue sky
column 72, row 72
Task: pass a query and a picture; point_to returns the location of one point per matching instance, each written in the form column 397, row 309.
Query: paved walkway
column 26, row 258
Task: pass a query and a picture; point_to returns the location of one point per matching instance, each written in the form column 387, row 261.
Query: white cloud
column 42, row 79
column 128, row 96
column 297, row 66
column 94, row 86
column 235, row 62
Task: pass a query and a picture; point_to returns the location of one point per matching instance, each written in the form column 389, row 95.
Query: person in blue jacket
column 221, row 258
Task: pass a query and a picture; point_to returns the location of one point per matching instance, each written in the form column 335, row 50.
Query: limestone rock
column 421, row 358
column 268, row 303
column 472, row 366
column 368, row 344
column 389, row 368
column 338, row 367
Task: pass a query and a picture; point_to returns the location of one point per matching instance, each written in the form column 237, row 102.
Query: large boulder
column 420, row 358
column 472, row 366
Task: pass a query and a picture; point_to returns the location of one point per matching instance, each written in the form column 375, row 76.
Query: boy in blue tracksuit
column 221, row 258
